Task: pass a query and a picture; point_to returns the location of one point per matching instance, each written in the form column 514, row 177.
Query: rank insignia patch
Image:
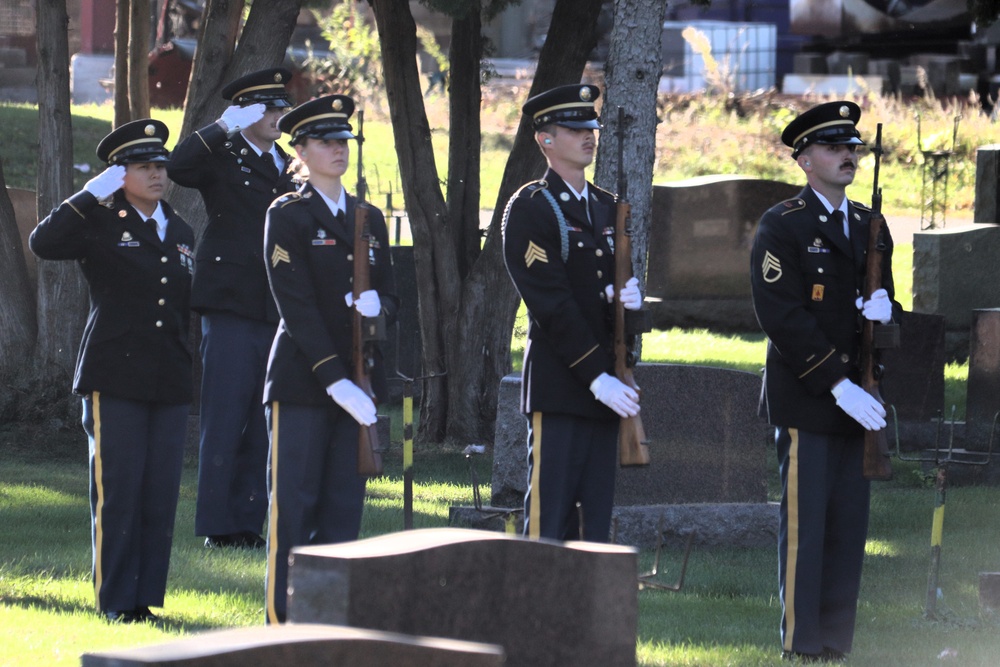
column 771, row 268
column 533, row 253
column 818, row 292
column 279, row 255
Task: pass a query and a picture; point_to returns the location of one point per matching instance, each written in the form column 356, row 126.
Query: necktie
column 151, row 224
column 270, row 167
column 838, row 217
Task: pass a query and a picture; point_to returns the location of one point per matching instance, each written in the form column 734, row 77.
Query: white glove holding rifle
column 355, row 401
column 368, row 303
column 630, row 296
column 859, row 404
column 876, row 309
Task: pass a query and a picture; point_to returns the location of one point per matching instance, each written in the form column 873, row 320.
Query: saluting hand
column 615, row 394
column 107, row 182
column 355, row 401
column 237, row 118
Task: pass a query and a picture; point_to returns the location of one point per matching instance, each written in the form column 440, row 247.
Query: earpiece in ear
column 548, row 141
column 808, row 163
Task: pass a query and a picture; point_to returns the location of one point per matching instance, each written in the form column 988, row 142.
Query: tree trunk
column 265, row 37
column 17, row 304
column 122, row 25
column 465, row 325
column 62, row 297
column 632, row 75
column 138, row 58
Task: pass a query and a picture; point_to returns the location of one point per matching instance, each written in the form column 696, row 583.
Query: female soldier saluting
column 134, row 366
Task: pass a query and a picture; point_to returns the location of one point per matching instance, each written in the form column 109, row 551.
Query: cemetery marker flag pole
column 633, row 449
column 876, row 464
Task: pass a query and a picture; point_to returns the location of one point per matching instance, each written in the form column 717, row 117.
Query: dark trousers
column 822, row 533
column 317, row 495
column 570, row 460
column 136, row 455
column 232, row 465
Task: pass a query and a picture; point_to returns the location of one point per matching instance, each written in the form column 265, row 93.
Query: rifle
column 876, row 464
column 364, row 330
column 633, row 449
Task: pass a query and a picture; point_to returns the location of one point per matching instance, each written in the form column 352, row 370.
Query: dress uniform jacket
column 560, row 271
column 237, row 187
column 135, row 342
column 805, row 277
column 311, row 258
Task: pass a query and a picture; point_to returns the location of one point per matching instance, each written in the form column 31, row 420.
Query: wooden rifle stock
column 876, row 465
column 369, row 452
column 633, row 449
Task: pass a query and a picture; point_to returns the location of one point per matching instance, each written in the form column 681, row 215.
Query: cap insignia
column 150, row 130
column 277, row 77
column 337, row 105
column 585, row 94
column 844, row 111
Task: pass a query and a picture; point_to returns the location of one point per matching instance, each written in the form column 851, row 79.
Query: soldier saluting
column 807, row 271
column 239, row 170
column 558, row 250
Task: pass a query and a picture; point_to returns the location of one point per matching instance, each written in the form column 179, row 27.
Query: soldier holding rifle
column 807, row 276
column 559, row 250
column 314, row 409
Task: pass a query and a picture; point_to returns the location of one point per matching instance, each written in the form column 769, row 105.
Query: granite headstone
column 288, row 645
column 706, row 442
column 700, row 235
column 547, row 603
column 983, row 388
column 987, row 204
column 914, row 372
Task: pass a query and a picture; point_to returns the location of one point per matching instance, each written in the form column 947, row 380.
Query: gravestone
column 983, row 387
column 700, row 237
column 546, row 603
column 289, row 645
column 955, row 271
column 987, row 204
column 402, row 349
column 705, row 439
column 914, row 377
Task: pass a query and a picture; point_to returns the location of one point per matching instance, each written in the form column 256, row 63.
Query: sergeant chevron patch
column 771, row 268
column 533, row 253
column 279, row 255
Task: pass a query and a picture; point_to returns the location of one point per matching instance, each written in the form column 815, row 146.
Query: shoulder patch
column 601, row 190
column 285, row 200
column 863, row 207
column 792, row 205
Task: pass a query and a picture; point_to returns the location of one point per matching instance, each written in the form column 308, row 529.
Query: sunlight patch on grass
column 881, row 548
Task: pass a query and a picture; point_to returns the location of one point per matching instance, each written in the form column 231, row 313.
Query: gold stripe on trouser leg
column 272, row 521
column 534, row 518
column 792, row 545
column 95, row 398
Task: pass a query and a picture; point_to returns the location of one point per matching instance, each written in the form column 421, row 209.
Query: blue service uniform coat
column 134, row 370
column 316, row 493
column 237, row 187
column 135, row 343
column 805, row 279
column 561, row 271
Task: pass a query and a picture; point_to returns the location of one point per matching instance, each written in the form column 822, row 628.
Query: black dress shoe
column 801, row 658
column 126, row 616
column 832, row 655
column 251, row 540
column 144, row 614
column 245, row 540
column 220, row 541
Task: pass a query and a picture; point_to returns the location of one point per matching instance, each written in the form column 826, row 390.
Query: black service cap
column 829, row 123
column 569, row 106
column 322, row 118
column 139, row 141
column 266, row 86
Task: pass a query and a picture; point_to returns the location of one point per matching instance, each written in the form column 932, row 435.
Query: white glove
column 615, row 394
column 878, row 308
column 631, row 297
column 107, row 182
column 356, row 402
column 860, row 405
column 237, row 118
column 368, row 303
